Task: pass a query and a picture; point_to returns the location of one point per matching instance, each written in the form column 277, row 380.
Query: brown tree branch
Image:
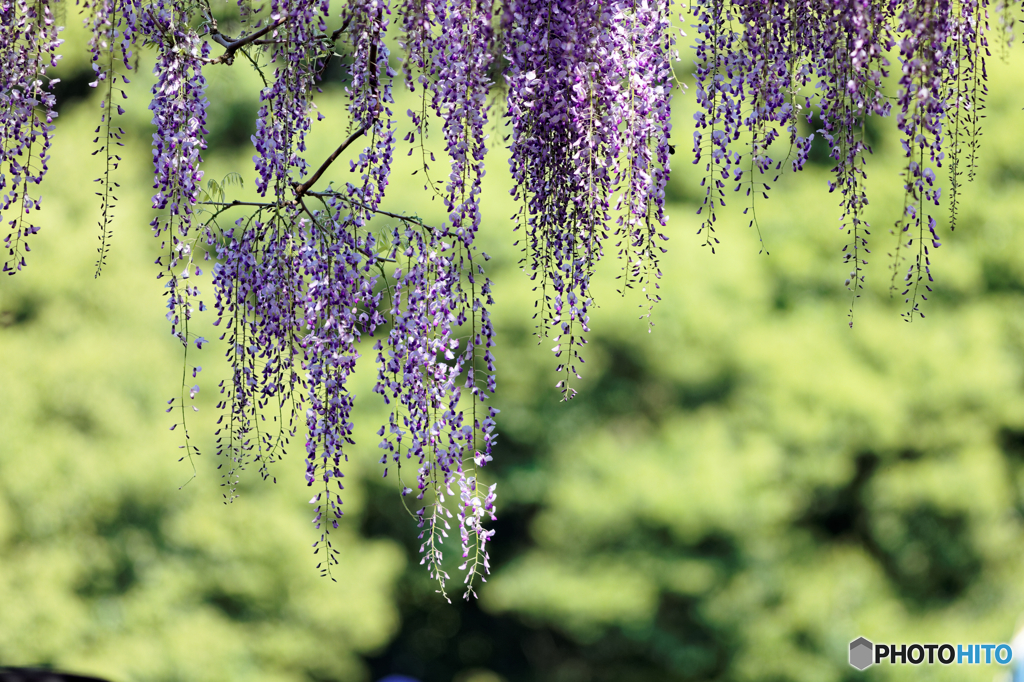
column 304, row 187
column 236, row 202
column 232, row 46
column 344, row 25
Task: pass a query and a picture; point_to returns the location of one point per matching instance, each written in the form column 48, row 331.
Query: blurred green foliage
column 733, row 497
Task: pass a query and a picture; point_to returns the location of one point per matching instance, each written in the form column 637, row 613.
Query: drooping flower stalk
column 764, row 66
column 264, row 262
column 646, row 121
column 284, row 118
column 179, row 114
column 562, row 128
column 309, row 275
column 28, row 49
column 721, row 70
column 850, row 82
column 259, row 287
column 341, row 262
column 341, row 305
column 967, row 87
column 924, row 55
column 578, row 70
column 110, row 45
column 443, row 291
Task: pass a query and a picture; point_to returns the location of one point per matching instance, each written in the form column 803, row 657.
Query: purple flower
column 589, row 90
column 28, row 48
column 304, row 281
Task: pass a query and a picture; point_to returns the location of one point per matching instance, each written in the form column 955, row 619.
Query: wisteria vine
column 770, row 70
column 28, row 49
column 308, row 276
column 589, row 90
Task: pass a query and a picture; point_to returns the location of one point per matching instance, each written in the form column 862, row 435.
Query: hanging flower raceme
column 261, row 278
column 925, row 59
column 418, row 375
column 305, row 279
column 28, row 49
column 259, row 285
column 850, row 72
column 839, row 49
column 179, row 114
column 427, row 376
column 577, row 69
column 370, row 101
column 769, row 88
column 441, row 293
column 721, row 69
column 341, row 260
column 643, row 108
column 341, row 305
column 966, row 80
column 110, row 48
column 283, row 120
column 463, row 57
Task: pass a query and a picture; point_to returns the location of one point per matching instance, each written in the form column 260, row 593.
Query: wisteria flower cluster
column 28, row 48
column 110, row 46
column 308, row 278
column 589, row 91
column 762, row 66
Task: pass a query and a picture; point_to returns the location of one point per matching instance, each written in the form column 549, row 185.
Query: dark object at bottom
column 38, row 675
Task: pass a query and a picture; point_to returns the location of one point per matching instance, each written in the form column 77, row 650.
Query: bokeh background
column 732, row 497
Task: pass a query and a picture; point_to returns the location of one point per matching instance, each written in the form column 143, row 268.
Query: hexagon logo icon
column 861, row 653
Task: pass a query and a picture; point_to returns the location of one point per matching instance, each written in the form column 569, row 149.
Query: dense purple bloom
column 28, row 48
column 589, row 90
column 756, row 58
column 341, row 305
column 179, row 114
column 259, row 294
column 305, row 279
column 442, row 289
column 283, row 120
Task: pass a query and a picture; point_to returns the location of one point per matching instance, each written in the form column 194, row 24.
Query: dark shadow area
column 233, row 125
column 1011, row 444
column 628, row 386
column 438, row 641
column 933, row 560
column 19, row 310
column 133, row 519
column 926, row 552
column 74, row 88
column 820, row 150
column 1000, row 277
column 840, row 513
column 42, row 675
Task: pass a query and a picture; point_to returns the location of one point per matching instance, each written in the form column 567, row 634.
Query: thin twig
column 365, row 252
column 397, row 216
column 308, row 212
column 374, row 89
column 236, row 202
column 267, row 204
